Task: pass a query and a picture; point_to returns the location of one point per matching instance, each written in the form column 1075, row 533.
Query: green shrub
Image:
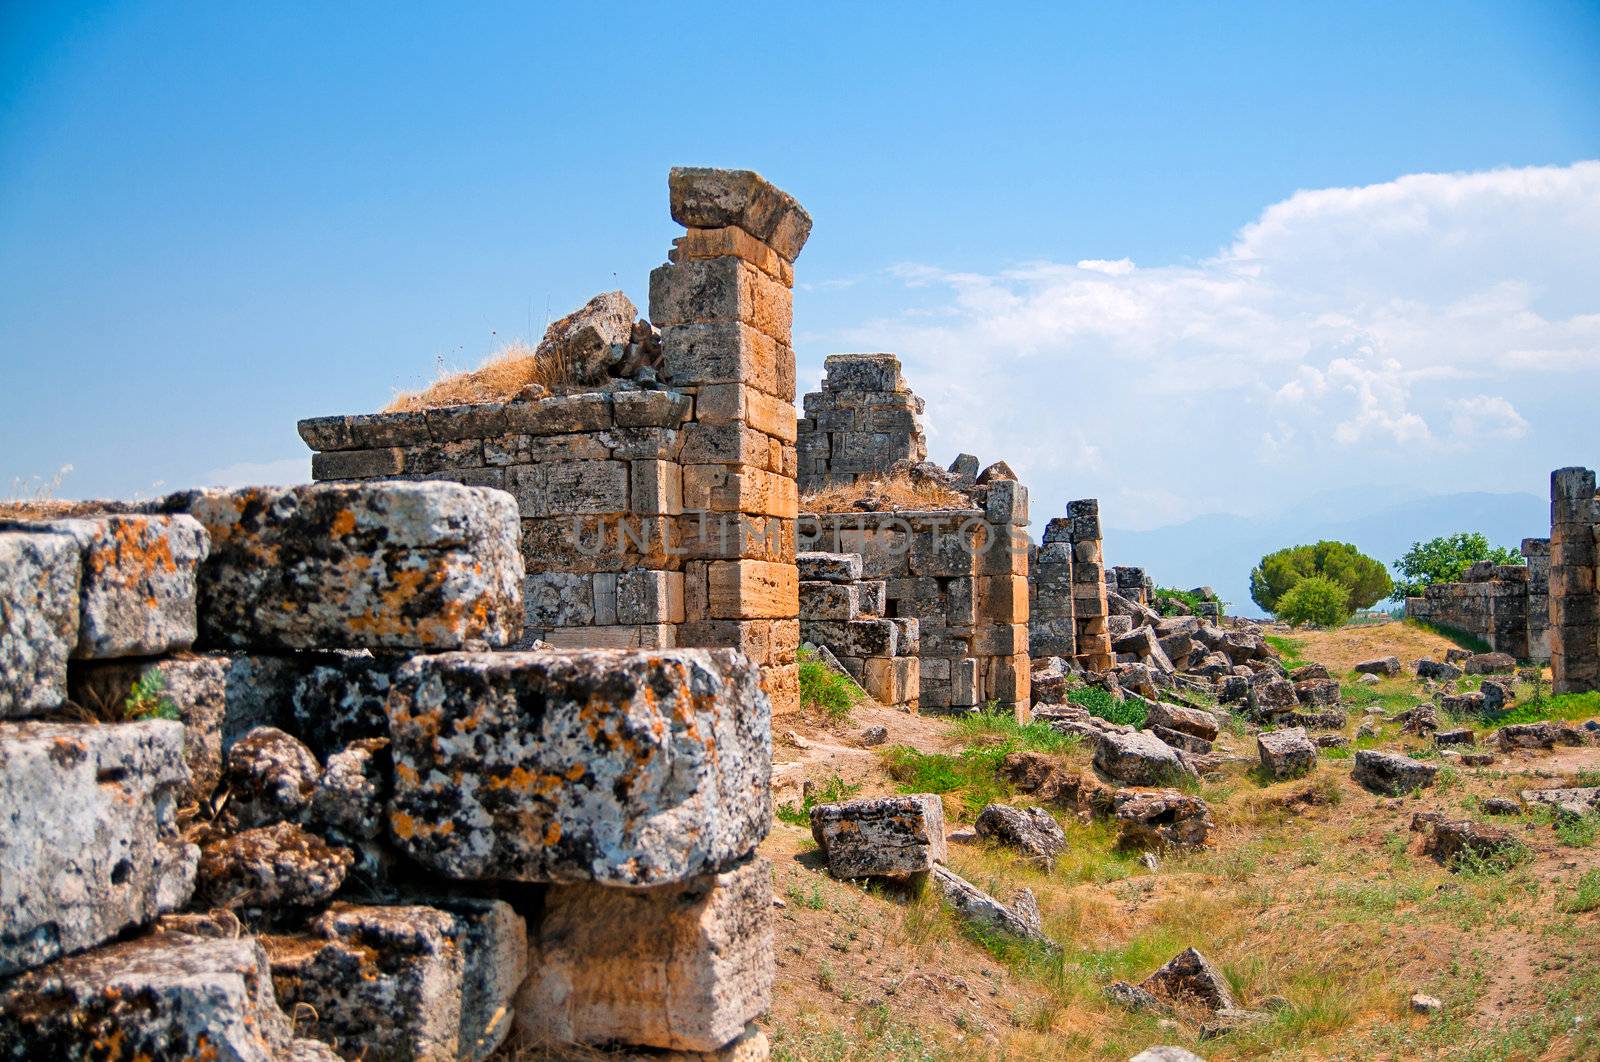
column 824, row 689
column 1102, row 705
column 1169, row 597
column 1365, row 581
column 1316, row 600
column 145, row 701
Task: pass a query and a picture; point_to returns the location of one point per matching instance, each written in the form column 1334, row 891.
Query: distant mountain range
column 1219, row 550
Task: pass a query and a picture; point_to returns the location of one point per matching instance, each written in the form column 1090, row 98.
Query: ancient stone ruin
column 846, row 614
column 280, row 782
column 1574, row 581
column 861, row 424
column 1494, row 602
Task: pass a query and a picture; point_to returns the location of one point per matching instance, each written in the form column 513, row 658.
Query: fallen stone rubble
column 348, row 836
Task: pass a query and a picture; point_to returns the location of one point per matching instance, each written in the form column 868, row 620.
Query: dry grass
column 499, row 379
column 1345, row 647
column 893, row 493
column 47, row 509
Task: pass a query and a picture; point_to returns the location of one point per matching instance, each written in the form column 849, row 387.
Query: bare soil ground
column 1314, row 897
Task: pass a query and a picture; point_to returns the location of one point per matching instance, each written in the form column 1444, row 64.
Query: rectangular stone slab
column 629, row 768
column 359, row 566
column 884, row 837
column 161, row 996
column 137, row 588
column 680, row 967
column 38, row 620
column 88, row 834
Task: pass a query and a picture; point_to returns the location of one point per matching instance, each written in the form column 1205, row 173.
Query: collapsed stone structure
column 846, row 613
column 651, row 518
column 1574, row 581
column 324, row 807
column 1494, row 602
column 862, row 422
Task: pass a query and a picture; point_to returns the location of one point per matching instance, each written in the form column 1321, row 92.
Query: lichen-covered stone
column 88, row 834
column 1193, row 721
column 431, row 565
column 1189, row 978
column 326, row 699
column 1136, row 759
column 350, row 795
column 137, row 588
column 1160, row 819
column 1391, row 773
column 1286, row 753
column 1020, row 918
column 160, row 996
column 706, row 198
column 620, row 767
column 883, row 837
column 270, row 872
column 38, row 620
column 493, row 940
column 383, row 982
column 271, row 777
column 681, row 967
column 1454, row 840
column 1032, row 831
column 194, row 686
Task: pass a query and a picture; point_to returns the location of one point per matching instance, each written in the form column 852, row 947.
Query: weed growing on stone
column 824, row 689
column 1099, row 703
column 145, row 700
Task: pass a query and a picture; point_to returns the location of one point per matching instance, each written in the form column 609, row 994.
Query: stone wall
column 1080, row 530
column 1132, row 583
column 659, row 517
column 847, row 613
column 1574, row 581
column 1490, row 602
column 860, row 424
column 313, row 787
column 963, row 575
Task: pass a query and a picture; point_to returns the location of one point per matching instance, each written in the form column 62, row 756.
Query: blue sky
column 1077, row 224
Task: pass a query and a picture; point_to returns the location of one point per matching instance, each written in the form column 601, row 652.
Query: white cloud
column 284, row 473
column 1346, row 336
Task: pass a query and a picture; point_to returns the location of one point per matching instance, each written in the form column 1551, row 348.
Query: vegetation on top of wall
column 898, row 491
column 1445, row 560
column 1169, row 598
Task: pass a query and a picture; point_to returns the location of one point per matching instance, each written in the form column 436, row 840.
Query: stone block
column 892, row 681
column 617, row 636
column 90, row 846
column 160, row 996
column 655, row 487
column 195, row 686
column 752, row 590
column 736, row 403
column 884, row 837
column 271, row 873
column 1160, row 819
column 359, row 464
column 382, row 982
column 680, row 967
column 558, row 488
column 651, row 409
column 720, row 291
column 729, row 240
column 1137, row 758
column 560, row 415
column 728, row 352
column 1390, row 773
column 1006, row 503
column 638, row 768
column 707, row 198
column 39, row 577
column 1286, row 753
column 559, row 599
column 650, row 597
column 965, row 690
column 138, row 581
column 829, row 601
column 392, row 565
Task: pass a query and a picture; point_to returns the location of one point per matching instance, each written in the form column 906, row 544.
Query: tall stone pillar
column 1089, row 585
column 1574, row 595
column 1537, row 553
column 1051, row 631
column 724, row 305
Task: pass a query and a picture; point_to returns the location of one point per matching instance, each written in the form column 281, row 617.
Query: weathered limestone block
column 1020, row 918
column 1138, row 758
column 1189, row 978
column 271, row 778
column 327, row 699
column 624, row 768
column 383, row 982
column 829, row 567
column 160, row 996
column 1317, row 691
column 351, row 793
column 706, row 198
column 1432, row 669
column 1491, row 664
column 39, row 576
column 1177, row 717
column 1390, row 773
column 883, row 837
column 683, row 967
column 1386, row 666
column 1160, row 819
column 493, row 940
column 1539, row 736
column 137, row 589
column 1286, row 753
column 196, row 686
column 89, row 842
column 1031, row 831
column 1451, row 840
column 270, row 870
column 339, row 565
column 1272, row 697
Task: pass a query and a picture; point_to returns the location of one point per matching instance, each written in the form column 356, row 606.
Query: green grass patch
column 830, row 791
column 1102, row 705
column 1000, row 724
column 1586, row 895
column 1578, row 831
column 146, row 701
column 1290, row 650
column 1565, row 707
column 824, row 689
column 970, row 775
